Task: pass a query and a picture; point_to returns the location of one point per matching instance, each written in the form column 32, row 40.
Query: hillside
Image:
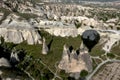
column 42, row 40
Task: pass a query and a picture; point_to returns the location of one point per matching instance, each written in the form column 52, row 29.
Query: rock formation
column 16, row 31
column 14, row 59
column 44, row 47
column 84, row 55
column 75, row 63
column 27, row 17
column 111, row 40
column 63, row 32
column 4, row 62
column 55, row 15
column 1, row 15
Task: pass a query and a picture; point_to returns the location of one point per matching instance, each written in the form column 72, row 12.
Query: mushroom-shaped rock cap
column 90, row 38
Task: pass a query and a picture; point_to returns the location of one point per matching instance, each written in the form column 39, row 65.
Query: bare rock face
column 14, row 58
column 50, row 23
column 63, row 32
column 65, row 59
column 14, row 30
column 110, row 71
column 86, row 58
column 18, row 36
column 113, row 38
column 44, row 47
column 82, row 19
column 4, row 62
column 65, row 10
column 1, row 15
column 75, row 63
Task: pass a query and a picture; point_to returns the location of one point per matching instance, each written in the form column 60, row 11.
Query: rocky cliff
column 14, row 30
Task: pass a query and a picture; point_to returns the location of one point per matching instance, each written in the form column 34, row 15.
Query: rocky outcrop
column 44, row 47
column 1, row 15
column 112, row 39
column 50, row 23
column 63, row 32
column 18, row 36
column 65, row 9
column 109, row 38
column 16, row 31
column 81, row 19
column 4, row 62
column 74, row 62
column 14, row 59
column 59, row 14
column 14, row 21
column 84, row 55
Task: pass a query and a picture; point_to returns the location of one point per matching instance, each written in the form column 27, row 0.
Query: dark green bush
column 83, row 73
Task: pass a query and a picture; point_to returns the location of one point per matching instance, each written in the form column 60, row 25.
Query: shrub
column 83, row 73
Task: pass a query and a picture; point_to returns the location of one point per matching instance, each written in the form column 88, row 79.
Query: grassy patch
column 97, row 50
column 27, row 16
column 116, row 49
column 111, row 55
column 16, row 73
